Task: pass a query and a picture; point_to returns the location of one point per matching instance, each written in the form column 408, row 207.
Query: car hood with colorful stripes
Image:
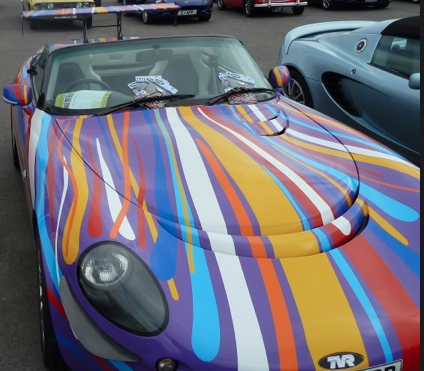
column 278, row 235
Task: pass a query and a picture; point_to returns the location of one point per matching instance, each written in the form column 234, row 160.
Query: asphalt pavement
column 262, row 36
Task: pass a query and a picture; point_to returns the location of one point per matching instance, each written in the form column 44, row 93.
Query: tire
column 147, row 18
column 205, row 18
column 327, row 4
column 416, row 1
column 381, row 6
column 297, row 89
column 50, row 351
column 34, row 24
column 16, row 163
column 299, row 10
column 89, row 22
column 249, row 8
column 221, row 4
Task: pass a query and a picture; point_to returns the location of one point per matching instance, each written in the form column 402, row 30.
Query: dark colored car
column 332, row 4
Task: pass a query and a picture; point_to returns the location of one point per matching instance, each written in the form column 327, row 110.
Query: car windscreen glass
column 86, row 78
column 398, row 55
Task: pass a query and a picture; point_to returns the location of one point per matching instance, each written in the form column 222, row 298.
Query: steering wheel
column 88, row 81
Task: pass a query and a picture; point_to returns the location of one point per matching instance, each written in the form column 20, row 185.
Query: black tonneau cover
column 406, row 27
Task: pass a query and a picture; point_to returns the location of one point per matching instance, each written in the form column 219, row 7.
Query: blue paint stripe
column 121, row 366
column 109, row 148
column 390, row 206
column 41, row 173
column 324, row 241
column 304, row 219
column 70, row 346
column 206, row 335
column 364, row 300
column 409, row 257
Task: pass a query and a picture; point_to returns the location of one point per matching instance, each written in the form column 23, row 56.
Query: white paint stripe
column 257, row 112
column 34, row 138
column 315, row 140
column 324, row 209
column 277, row 124
column 222, row 243
column 344, row 225
column 251, row 351
column 115, row 204
column 197, row 177
column 59, row 216
column 377, row 154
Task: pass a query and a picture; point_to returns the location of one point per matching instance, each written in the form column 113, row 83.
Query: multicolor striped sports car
column 189, row 217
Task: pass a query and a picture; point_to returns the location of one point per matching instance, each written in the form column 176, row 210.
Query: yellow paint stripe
column 118, row 146
column 337, row 185
column 173, row 289
column 266, row 128
column 383, row 223
column 278, row 77
column 244, row 113
column 327, row 318
column 270, row 207
column 78, row 169
column 150, row 223
column 295, row 245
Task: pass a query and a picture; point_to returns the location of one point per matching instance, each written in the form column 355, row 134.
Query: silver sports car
column 365, row 74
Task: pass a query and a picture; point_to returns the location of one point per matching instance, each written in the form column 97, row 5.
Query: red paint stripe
column 95, row 222
column 400, row 308
column 58, row 305
column 101, row 363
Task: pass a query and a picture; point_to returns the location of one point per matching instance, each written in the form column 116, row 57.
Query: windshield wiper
column 138, row 102
column 236, row 91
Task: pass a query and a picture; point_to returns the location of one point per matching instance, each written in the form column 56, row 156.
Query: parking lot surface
column 262, row 36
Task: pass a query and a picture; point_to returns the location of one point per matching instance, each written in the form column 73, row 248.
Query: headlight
column 37, row 7
column 122, row 288
column 78, row 5
column 87, row 5
column 50, row 6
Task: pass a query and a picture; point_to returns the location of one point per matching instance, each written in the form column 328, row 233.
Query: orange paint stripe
column 238, row 208
column 126, row 204
column 280, row 314
column 258, row 247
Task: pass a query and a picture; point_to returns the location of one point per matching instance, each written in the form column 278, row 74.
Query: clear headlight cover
column 50, row 6
column 122, row 288
column 78, row 5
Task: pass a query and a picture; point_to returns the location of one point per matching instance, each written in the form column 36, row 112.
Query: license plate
column 187, row 12
column 282, row 9
column 66, row 17
column 395, row 366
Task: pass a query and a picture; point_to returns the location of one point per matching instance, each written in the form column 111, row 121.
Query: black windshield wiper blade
column 221, row 97
column 137, row 102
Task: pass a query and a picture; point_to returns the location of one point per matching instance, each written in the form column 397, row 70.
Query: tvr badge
column 341, row 361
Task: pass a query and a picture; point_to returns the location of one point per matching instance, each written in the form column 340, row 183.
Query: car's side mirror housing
column 279, row 77
column 415, row 81
column 17, row 95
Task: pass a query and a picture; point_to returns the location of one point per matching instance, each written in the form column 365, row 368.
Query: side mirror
column 17, row 95
column 279, row 77
column 415, row 81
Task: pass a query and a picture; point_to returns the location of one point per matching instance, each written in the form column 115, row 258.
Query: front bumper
column 275, row 3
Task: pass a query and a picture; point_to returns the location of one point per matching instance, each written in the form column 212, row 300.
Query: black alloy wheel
column 221, row 4
column 50, row 351
column 297, row 89
column 249, row 8
column 14, row 147
column 147, row 18
column 327, row 4
column 299, row 10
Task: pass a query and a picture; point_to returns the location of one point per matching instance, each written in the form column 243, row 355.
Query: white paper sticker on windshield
column 152, row 86
column 83, row 99
column 231, row 81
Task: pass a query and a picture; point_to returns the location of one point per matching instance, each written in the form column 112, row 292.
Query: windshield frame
column 44, row 105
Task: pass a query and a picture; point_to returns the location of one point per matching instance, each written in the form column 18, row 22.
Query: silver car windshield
column 106, row 74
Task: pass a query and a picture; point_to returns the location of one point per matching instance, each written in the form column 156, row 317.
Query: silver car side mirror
column 415, row 81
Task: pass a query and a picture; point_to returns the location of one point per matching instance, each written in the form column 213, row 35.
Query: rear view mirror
column 415, row 81
column 279, row 77
column 17, row 95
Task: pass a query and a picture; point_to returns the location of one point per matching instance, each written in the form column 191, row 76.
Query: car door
column 382, row 94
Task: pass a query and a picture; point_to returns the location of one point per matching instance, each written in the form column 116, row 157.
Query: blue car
column 365, row 74
column 200, row 9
